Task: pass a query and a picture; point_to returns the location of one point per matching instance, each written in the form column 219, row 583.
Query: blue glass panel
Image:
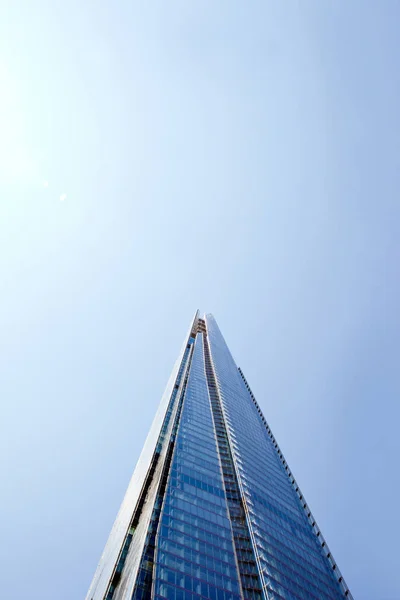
column 290, row 557
column 195, row 554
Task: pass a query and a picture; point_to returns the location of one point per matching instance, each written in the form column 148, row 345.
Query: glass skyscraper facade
column 213, row 510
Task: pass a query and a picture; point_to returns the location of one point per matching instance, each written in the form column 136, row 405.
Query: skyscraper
column 213, row 510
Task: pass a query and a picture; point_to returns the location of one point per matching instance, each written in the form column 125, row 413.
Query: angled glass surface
column 290, row 557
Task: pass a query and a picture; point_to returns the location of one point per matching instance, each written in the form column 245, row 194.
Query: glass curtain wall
column 213, row 511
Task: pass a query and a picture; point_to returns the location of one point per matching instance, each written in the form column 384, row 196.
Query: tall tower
column 213, row 510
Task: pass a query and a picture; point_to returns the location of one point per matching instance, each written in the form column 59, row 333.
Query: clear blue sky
column 239, row 157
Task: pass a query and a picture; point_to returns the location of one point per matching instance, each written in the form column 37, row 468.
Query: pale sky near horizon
column 240, row 158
